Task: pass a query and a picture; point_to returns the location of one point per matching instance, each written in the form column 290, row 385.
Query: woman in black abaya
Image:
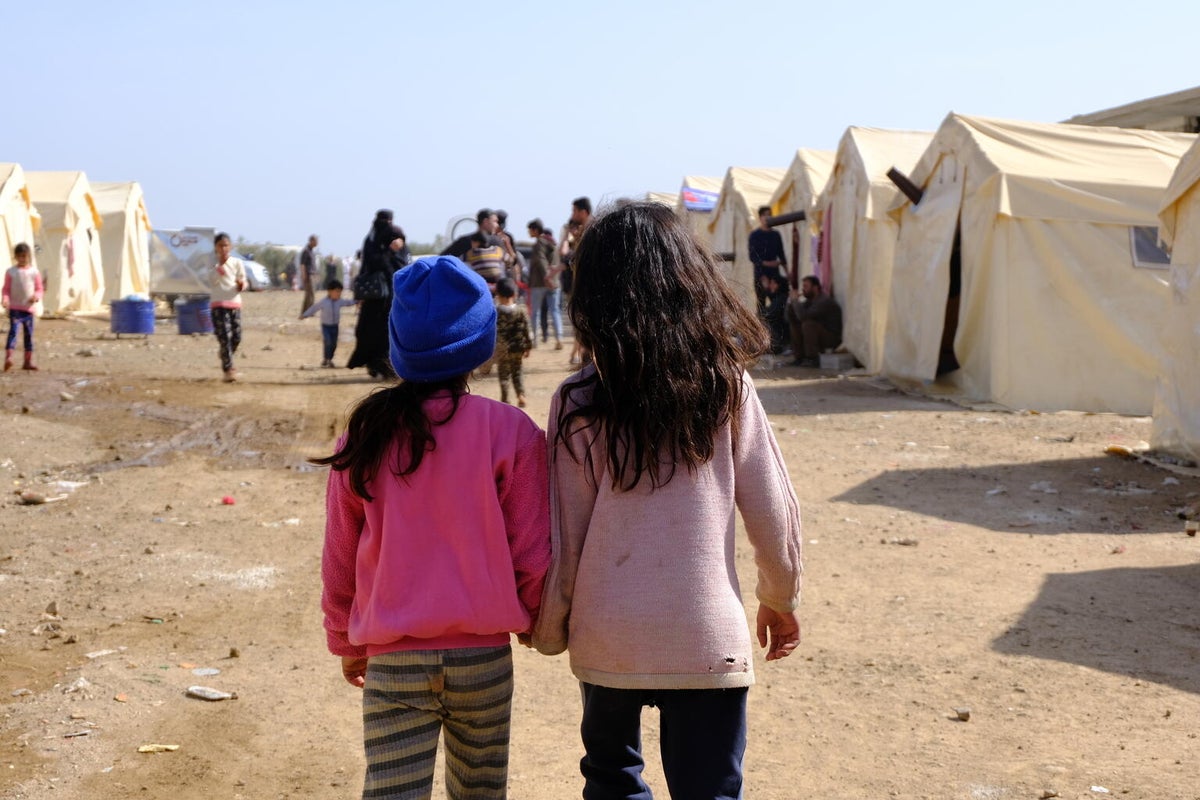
column 384, row 250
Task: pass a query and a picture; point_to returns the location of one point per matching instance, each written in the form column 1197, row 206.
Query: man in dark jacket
column 766, row 253
column 489, row 225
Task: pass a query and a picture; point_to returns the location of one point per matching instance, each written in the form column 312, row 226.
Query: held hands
column 354, row 670
column 784, row 630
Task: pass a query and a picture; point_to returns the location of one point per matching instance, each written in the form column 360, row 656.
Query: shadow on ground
column 1082, row 495
column 1142, row 622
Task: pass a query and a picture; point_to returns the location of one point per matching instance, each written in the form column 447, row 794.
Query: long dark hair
column 387, row 414
column 669, row 341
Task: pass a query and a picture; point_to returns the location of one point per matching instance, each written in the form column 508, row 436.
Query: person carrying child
column 227, row 281
column 655, row 446
column 23, row 288
column 330, row 308
column 486, row 259
column 436, row 545
column 513, row 341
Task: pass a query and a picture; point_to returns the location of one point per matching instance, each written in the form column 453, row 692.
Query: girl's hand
column 354, row 670
column 784, row 630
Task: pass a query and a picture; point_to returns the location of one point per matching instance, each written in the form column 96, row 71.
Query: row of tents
column 89, row 240
column 1022, row 263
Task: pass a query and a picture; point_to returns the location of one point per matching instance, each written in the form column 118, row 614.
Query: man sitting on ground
column 815, row 320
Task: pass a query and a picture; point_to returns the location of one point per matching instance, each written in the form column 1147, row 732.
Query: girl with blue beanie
column 658, row 444
column 436, row 545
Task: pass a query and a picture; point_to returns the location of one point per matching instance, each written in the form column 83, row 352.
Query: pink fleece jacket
column 452, row 556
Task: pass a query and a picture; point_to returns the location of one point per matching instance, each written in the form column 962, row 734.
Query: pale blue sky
column 274, row 120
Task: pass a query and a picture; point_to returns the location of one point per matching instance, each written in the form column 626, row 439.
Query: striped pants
column 412, row 696
column 227, row 325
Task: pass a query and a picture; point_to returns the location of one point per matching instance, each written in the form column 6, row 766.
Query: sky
column 274, row 120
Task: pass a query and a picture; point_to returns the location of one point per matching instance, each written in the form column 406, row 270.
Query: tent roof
column 668, row 199
column 115, row 196
column 871, row 152
column 51, row 192
column 122, row 197
column 1056, row 171
column 879, row 149
column 704, row 183
column 13, row 182
column 1186, row 175
column 1177, row 111
column 807, row 175
column 752, row 185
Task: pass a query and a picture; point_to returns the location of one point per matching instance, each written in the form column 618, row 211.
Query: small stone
column 1048, row 793
column 212, row 695
column 963, row 714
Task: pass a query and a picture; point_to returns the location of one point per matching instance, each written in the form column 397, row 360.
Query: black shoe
column 809, row 363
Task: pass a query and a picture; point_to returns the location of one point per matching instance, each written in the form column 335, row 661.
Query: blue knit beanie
column 443, row 320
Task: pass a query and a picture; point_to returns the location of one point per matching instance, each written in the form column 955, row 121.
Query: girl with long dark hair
column 656, row 445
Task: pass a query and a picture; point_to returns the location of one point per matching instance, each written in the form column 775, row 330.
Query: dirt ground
column 981, row 560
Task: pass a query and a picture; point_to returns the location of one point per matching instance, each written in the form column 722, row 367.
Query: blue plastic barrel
column 132, row 316
column 194, row 316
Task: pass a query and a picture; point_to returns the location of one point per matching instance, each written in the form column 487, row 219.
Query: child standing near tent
column 437, row 541
column 227, row 280
column 330, row 308
column 23, row 290
column 655, row 446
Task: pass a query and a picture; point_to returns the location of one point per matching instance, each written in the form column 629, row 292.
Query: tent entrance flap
column 923, row 315
column 947, row 361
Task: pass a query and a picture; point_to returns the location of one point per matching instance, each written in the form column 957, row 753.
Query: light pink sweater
column 643, row 591
column 452, row 556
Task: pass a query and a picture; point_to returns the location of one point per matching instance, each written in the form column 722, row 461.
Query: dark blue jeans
column 329, row 336
column 703, row 738
column 22, row 320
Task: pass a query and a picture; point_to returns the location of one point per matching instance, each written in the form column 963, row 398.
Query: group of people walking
column 454, row 522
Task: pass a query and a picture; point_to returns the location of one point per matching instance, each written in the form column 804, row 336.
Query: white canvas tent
column 124, row 239
column 19, row 220
column 69, row 258
column 1176, row 428
column 668, row 199
column 1059, row 303
column 696, row 220
column 854, row 208
column 742, row 192
column 802, row 184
